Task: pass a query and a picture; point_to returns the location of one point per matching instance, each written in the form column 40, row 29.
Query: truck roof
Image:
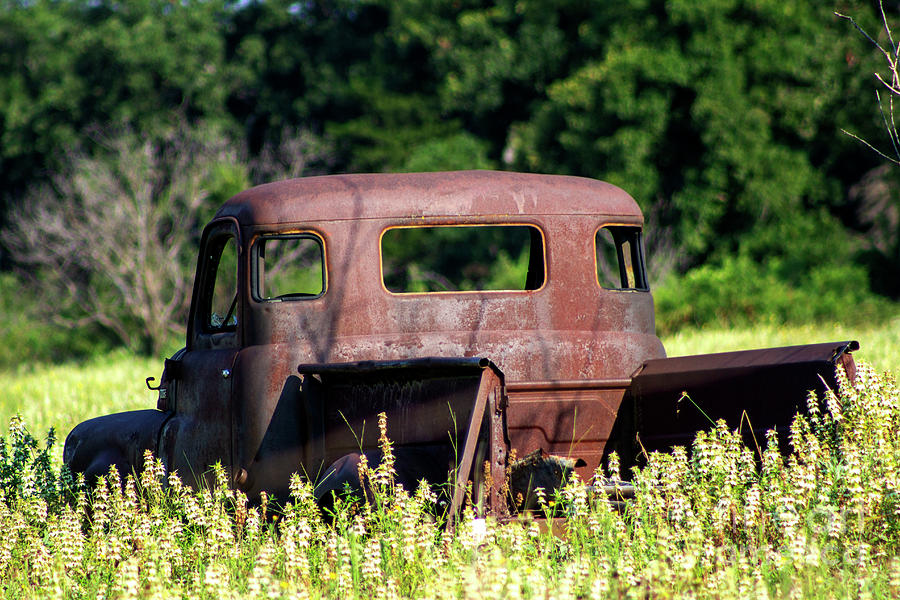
column 449, row 194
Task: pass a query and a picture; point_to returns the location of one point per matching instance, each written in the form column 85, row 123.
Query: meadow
column 723, row 521
column 879, row 343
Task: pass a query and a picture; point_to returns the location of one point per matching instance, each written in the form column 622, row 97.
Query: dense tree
column 67, row 67
column 724, row 115
column 723, row 118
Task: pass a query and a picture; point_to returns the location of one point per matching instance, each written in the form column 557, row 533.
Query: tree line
column 723, row 118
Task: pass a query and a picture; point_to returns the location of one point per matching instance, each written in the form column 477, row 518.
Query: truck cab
column 306, row 271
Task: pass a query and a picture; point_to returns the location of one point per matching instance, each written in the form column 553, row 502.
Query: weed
column 718, row 521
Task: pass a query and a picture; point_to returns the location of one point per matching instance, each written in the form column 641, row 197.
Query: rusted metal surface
column 429, row 195
column 566, row 347
column 444, row 419
column 752, row 390
column 118, row 440
column 569, row 329
column 571, row 419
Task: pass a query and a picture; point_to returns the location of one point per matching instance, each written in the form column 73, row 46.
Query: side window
column 288, row 267
column 462, row 258
column 620, row 259
column 222, row 313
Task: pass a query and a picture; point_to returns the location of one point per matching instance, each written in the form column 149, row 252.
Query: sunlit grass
column 824, row 523
column 879, row 343
column 812, row 535
column 61, row 396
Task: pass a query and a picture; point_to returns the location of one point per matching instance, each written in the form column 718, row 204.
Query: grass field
column 879, row 343
column 823, row 523
column 61, row 396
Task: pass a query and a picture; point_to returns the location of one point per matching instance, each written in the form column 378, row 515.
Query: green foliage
column 437, row 259
column 787, row 272
column 722, row 118
column 712, row 108
column 457, row 152
column 67, row 67
column 26, row 468
column 223, row 180
column 739, row 292
column 29, row 335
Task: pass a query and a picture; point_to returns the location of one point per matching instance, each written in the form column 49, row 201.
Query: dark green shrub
column 26, row 467
column 28, row 334
column 739, row 291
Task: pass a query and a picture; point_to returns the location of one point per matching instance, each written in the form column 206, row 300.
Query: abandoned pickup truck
column 483, row 312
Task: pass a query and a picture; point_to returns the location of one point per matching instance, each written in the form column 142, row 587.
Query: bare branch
column 887, row 30
column 893, row 87
column 862, row 31
column 890, row 127
column 112, row 241
column 890, row 86
column 871, row 147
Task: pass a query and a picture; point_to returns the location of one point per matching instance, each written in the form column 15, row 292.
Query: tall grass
column 723, row 521
column 879, row 342
column 719, row 521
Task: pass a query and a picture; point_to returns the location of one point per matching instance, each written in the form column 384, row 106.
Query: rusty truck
column 485, row 313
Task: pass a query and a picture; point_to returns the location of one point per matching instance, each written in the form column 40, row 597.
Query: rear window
column 288, row 267
column 620, row 258
column 462, row 258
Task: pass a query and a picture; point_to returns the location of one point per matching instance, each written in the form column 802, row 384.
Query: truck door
column 199, row 433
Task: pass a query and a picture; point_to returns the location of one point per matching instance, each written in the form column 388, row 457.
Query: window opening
column 620, row 261
column 462, row 258
column 223, row 300
column 288, row 267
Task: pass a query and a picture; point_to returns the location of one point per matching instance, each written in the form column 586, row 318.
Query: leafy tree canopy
column 68, row 67
column 723, row 118
column 724, row 115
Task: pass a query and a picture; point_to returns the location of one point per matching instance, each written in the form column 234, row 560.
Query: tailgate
column 440, row 412
column 751, row 389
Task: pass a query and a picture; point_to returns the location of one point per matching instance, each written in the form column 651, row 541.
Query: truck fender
column 432, row 464
column 117, row 440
